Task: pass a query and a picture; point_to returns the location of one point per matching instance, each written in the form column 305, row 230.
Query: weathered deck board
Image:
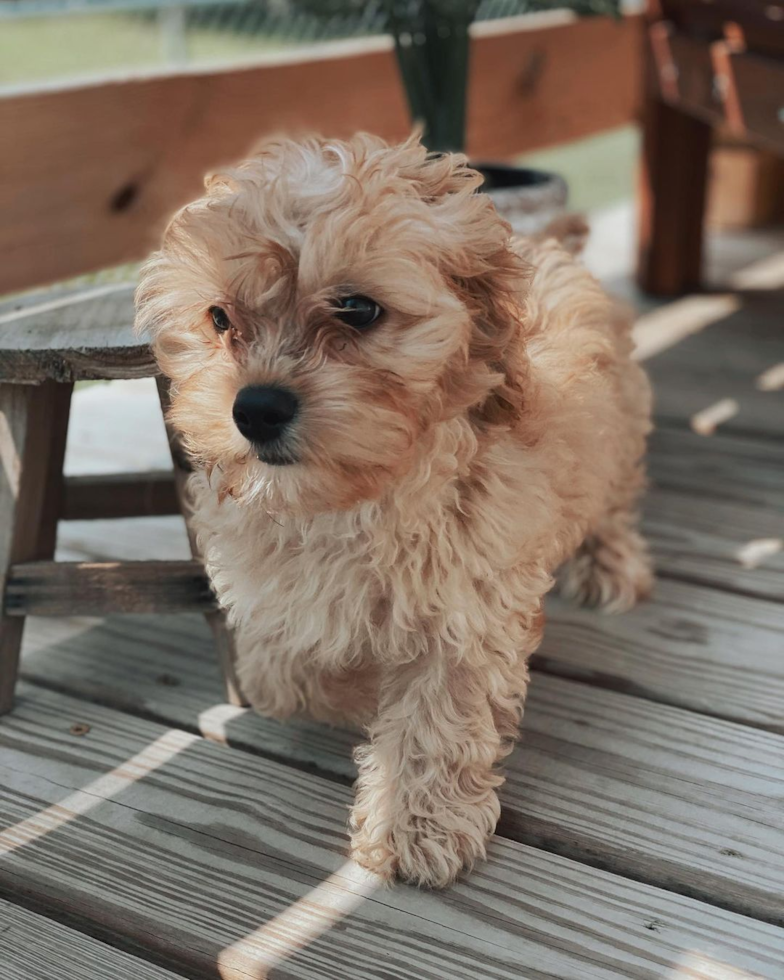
column 709, row 498
column 720, row 467
column 166, row 668
column 33, row 947
column 199, row 852
column 691, row 803
column 641, row 788
column 703, row 540
column 689, row 646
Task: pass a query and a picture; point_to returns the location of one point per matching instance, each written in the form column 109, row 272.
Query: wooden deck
column 148, row 831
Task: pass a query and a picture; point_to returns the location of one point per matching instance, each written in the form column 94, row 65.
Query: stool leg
column 33, row 429
column 215, row 620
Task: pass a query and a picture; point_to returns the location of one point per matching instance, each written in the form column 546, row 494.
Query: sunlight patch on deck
column 754, row 553
column 213, row 721
column 706, row 422
column 81, row 801
column 668, row 325
column 300, row 924
column 772, row 379
column 696, row 965
column 767, row 273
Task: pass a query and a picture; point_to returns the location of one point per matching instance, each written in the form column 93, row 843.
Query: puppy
column 403, row 422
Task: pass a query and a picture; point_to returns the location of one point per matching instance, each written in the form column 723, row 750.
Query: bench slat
column 49, row 588
column 109, row 496
column 73, row 336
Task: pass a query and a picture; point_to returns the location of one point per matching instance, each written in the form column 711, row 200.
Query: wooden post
column 216, row 620
column 672, row 199
column 673, row 176
column 33, row 429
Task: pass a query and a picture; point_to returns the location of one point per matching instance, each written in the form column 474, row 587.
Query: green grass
column 60, row 47
column 599, row 170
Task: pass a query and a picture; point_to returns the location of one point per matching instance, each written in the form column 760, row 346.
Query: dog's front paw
column 428, row 850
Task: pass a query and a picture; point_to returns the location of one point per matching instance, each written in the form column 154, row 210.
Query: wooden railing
column 89, row 173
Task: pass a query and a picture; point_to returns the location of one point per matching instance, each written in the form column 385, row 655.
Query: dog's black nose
column 262, row 412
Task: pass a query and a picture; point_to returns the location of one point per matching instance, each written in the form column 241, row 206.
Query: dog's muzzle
column 263, row 414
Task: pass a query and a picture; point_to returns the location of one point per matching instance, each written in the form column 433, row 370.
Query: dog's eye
column 358, row 311
column 220, row 319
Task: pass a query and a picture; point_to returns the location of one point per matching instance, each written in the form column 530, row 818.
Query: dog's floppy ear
column 493, row 298
column 486, row 273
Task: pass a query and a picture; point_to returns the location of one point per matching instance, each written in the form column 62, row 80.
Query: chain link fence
column 60, row 39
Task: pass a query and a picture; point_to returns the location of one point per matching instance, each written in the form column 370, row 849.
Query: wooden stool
column 47, row 342
column 708, row 64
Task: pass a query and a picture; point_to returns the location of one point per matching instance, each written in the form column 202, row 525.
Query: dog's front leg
column 426, row 794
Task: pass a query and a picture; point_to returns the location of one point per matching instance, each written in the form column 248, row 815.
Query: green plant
column 432, row 47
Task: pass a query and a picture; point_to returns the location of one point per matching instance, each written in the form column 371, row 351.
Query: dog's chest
column 368, row 584
column 299, row 587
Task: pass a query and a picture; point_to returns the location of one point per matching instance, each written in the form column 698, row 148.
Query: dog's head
column 323, row 308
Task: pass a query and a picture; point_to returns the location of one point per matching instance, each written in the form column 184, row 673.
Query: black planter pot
column 528, row 199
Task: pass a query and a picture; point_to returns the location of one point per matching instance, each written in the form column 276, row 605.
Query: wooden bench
column 48, row 342
column 709, row 64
